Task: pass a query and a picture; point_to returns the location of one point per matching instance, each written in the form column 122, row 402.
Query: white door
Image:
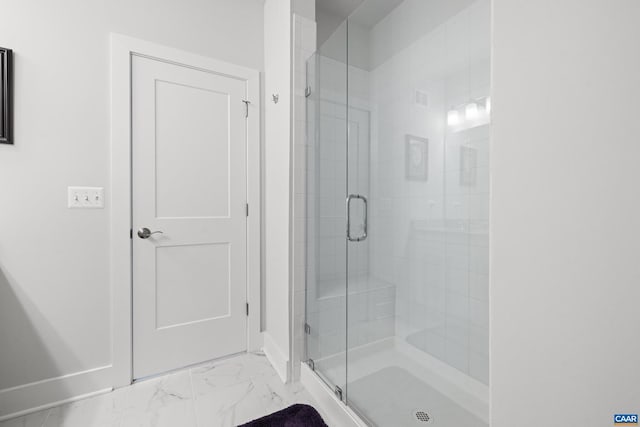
column 189, row 189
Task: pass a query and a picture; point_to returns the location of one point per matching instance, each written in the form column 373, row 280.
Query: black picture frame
column 6, row 96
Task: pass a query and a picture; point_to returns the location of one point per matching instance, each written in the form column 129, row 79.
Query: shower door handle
column 366, row 218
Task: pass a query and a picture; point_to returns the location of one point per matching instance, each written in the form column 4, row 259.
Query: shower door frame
column 340, row 391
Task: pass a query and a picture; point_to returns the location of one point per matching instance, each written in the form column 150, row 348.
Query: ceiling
column 337, row 8
column 368, row 15
column 372, row 11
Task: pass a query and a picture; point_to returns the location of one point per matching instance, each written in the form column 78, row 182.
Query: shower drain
column 422, row 417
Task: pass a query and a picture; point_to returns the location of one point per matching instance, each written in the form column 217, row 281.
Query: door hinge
column 307, row 329
column 338, row 392
column 247, row 309
column 307, row 89
column 247, row 209
column 131, row 233
column 246, row 107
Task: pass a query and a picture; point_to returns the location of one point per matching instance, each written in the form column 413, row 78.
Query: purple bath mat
column 297, row 415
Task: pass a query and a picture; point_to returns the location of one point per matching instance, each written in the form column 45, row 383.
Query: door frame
column 123, row 48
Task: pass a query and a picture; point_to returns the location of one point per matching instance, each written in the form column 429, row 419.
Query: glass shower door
column 326, row 296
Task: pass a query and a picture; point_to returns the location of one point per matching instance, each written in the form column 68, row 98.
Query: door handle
column 366, row 218
column 145, row 233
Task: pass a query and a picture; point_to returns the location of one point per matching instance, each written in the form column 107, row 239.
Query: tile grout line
column 193, row 396
column 44, row 423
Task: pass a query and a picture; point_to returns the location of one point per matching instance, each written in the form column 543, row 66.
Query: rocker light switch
column 85, row 197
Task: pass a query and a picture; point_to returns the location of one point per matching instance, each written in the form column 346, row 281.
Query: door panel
column 189, row 182
column 203, row 271
column 202, row 189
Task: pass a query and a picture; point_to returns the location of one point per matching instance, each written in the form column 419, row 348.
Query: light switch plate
column 85, row 197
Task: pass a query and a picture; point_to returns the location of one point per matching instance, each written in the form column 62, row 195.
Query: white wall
column 277, row 175
column 54, row 262
column 565, row 212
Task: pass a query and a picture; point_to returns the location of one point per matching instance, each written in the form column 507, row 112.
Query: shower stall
column 398, row 133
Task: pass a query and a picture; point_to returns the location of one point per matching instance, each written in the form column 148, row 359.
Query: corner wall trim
column 277, row 357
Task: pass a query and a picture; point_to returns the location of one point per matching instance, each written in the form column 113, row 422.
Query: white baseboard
column 276, row 356
column 39, row 395
column 338, row 413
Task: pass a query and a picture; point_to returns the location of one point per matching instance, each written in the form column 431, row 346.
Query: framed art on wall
column 6, row 97
column 416, row 158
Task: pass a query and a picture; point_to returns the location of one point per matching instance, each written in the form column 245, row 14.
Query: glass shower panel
column 418, row 122
column 326, row 294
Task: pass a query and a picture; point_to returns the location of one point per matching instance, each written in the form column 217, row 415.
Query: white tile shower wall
column 304, row 47
column 430, row 237
column 371, row 318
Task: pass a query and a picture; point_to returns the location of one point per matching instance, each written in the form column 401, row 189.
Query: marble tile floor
column 222, row 393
